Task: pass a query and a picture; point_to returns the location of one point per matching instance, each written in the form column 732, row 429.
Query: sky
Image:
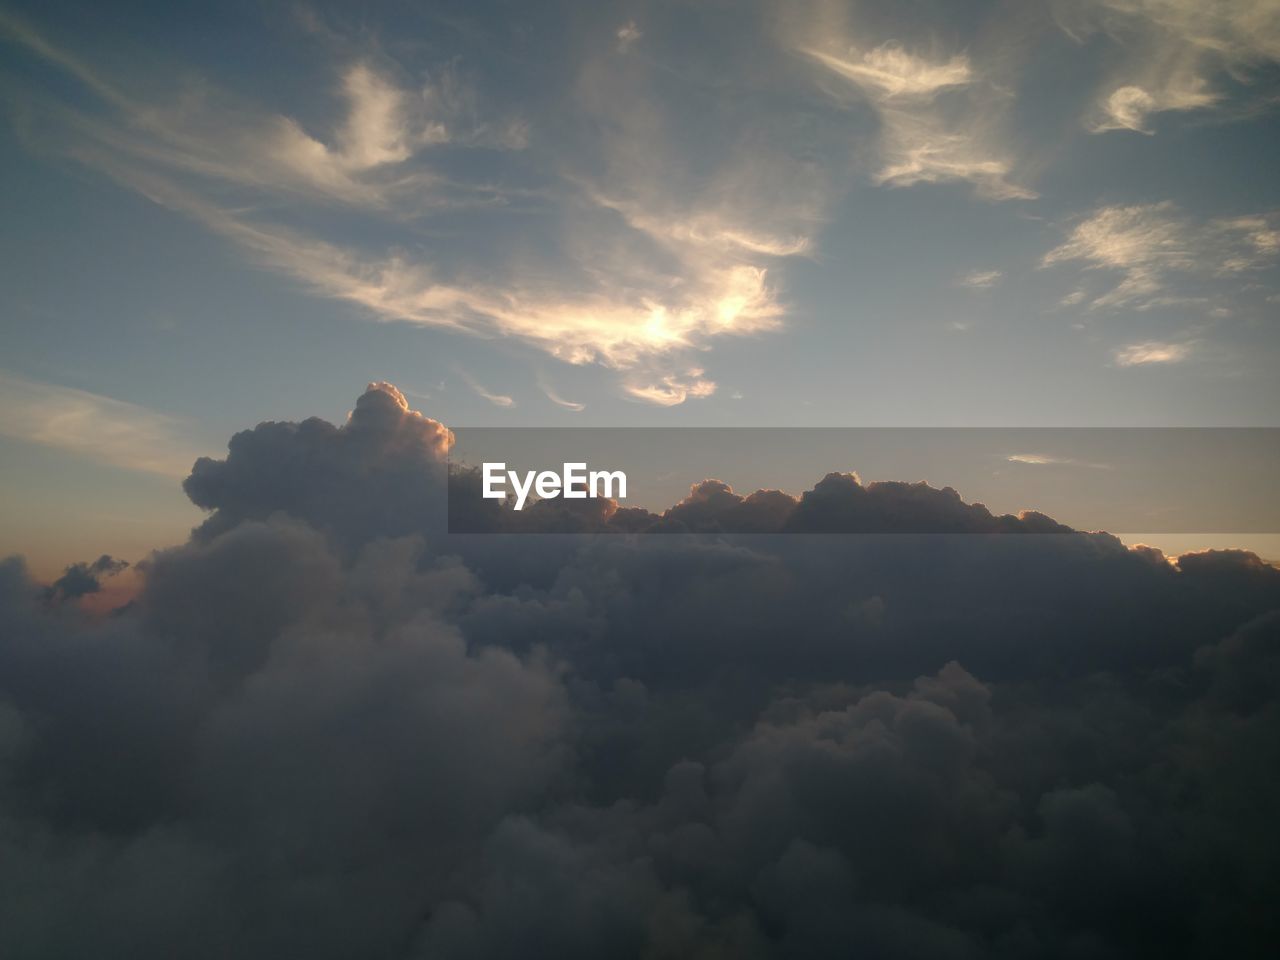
column 259, row 697
column 664, row 214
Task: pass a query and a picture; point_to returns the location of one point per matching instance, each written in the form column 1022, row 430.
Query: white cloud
column 628, row 34
column 631, row 281
column 672, row 389
column 375, row 130
column 1034, row 459
column 1176, row 50
column 497, row 399
column 1152, row 351
column 1046, row 460
column 980, row 279
column 1130, row 107
column 371, row 157
column 1150, row 243
column 891, row 72
column 100, row 428
column 560, row 401
column 920, row 142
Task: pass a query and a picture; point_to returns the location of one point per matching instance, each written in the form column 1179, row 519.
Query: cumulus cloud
column 326, row 727
column 82, row 579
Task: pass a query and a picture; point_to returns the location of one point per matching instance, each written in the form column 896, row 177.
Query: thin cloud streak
column 1152, row 352
column 1046, row 460
column 560, row 401
column 90, row 425
column 497, row 399
column 981, row 279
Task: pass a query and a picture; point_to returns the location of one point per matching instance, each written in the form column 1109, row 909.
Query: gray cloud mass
column 326, row 728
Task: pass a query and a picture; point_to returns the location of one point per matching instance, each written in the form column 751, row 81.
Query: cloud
column 628, row 34
column 1045, row 460
column 893, row 73
column 1152, row 351
column 497, row 399
column 921, row 141
column 324, row 727
column 1151, row 244
column 980, row 279
column 110, row 431
column 1034, row 459
column 560, row 401
column 82, row 579
column 640, row 274
column 673, row 389
column 202, row 132
column 1127, row 108
column 1178, row 55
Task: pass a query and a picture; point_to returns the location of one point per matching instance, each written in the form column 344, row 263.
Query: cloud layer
column 325, row 728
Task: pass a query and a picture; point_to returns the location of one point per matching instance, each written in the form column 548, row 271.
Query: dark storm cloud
column 81, row 579
column 326, row 728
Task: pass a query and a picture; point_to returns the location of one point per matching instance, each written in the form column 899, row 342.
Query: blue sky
column 618, row 214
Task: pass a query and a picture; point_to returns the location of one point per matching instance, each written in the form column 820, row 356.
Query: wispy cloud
column 980, row 279
column 370, row 157
column 100, row 428
column 1150, row 243
column 1178, row 53
column 891, row 73
column 920, row 142
column 1034, row 459
column 1152, row 351
column 497, row 399
column 639, row 275
column 1130, row 107
column 558, row 400
column 627, row 34
column 1046, row 460
column 672, row 389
